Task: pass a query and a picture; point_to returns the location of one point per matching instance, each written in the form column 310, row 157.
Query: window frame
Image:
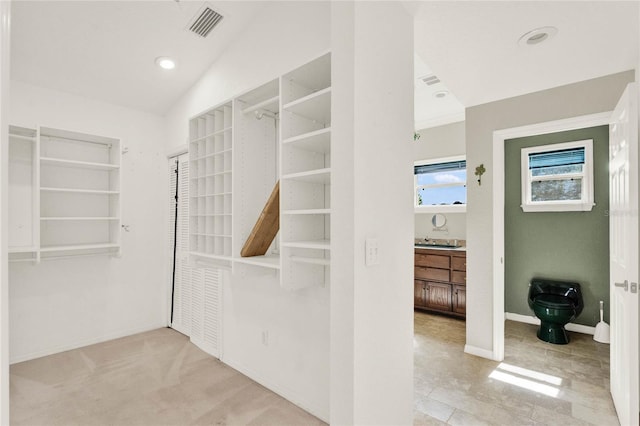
column 586, row 201
column 450, row 208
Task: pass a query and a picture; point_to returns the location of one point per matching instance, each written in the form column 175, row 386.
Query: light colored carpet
column 153, row 378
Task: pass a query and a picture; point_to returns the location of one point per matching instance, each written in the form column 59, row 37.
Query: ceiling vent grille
column 205, row 22
column 430, row 80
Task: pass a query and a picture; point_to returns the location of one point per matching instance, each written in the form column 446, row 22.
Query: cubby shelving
column 305, row 159
column 79, row 193
column 210, row 186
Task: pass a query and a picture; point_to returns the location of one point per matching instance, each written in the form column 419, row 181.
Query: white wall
column 588, row 97
column 63, row 304
column 440, row 142
column 295, row 362
column 5, row 15
column 372, row 178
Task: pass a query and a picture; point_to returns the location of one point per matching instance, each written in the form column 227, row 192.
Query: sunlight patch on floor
column 527, row 379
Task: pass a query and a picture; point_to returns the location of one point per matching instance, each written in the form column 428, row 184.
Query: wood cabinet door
column 460, row 299
column 419, row 290
column 439, row 296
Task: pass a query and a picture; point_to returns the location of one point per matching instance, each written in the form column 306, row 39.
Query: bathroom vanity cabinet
column 440, row 281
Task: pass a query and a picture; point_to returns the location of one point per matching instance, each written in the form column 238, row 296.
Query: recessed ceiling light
column 537, row 36
column 165, row 62
column 441, row 94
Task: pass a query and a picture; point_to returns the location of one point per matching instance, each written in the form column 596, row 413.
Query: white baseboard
column 483, row 353
column 14, row 359
column 287, row 394
column 577, row 328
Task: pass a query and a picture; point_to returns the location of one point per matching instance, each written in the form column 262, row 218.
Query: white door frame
column 499, row 137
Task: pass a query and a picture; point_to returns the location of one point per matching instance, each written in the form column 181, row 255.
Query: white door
column 197, row 291
column 623, row 228
column 183, row 273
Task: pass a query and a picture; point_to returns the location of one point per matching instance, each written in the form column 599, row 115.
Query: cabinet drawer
column 432, row 260
column 431, row 274
column 458, row 277
column 459, row 263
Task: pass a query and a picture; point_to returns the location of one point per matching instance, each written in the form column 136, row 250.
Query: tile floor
column 454, row 388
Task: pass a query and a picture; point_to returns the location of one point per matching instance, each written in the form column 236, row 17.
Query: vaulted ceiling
column 106, row 49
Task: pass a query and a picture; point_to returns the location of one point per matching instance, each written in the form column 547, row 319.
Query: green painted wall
column 572, row 246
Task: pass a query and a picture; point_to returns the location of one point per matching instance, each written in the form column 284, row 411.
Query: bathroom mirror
column 439, row 220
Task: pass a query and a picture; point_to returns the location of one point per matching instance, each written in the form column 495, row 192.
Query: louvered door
column 197, row 291
column 205, row 330
column 184, row 275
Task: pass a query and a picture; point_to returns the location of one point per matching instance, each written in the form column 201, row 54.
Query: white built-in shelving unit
column 305, row 160
column 65, row 194
column 280, row 130
column 79, row 193
column 211, row 188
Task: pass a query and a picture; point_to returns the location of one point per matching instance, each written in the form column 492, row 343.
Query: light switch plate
column 371, row 252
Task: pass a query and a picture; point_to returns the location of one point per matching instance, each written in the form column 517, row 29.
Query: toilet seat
column 554, row 301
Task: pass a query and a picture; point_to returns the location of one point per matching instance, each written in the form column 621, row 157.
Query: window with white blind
column 558, row 177
column 440, row 185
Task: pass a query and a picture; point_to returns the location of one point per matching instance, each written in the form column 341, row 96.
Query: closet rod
column 106, row 144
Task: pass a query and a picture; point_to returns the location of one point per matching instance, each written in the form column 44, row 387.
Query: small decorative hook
column 479, row 172
column 416, row 136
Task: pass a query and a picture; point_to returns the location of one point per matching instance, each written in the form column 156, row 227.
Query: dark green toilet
column 555, row 303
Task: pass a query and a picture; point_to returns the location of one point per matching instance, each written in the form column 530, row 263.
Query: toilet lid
column 554, row 301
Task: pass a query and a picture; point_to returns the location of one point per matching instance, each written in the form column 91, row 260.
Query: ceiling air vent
column 205, row 22
column 430, row 80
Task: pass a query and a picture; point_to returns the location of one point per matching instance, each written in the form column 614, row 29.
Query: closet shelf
column 217, row 132
column 212, row 154
column 80, row 164
column 80, row 191
column 315, row 107
column 312, row 244
column 315, row 141
column 311, row 260
column 268, row 261
column 211, row 256
column 270, row 105
column 22, row 249
column 22, row 137
column 78, row 247
column 78, row 218
column 307, row 211
column 313, row 176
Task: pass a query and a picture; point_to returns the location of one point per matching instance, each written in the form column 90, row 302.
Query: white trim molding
column 577, row 328
column 483, row 353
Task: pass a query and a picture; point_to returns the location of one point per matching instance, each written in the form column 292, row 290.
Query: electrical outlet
column 371, row 252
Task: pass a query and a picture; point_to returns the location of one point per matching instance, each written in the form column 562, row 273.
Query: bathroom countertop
column 463, row 248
